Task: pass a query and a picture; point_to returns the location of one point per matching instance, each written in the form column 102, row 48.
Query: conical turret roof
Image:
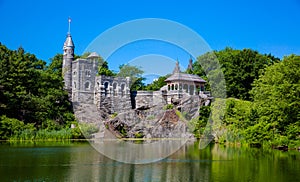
column 69, row 42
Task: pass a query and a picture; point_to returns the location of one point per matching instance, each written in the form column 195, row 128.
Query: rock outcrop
column 148, row 124
column 155, row 121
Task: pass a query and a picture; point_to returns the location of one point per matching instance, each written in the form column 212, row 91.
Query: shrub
column 138, row 135
column 168, row 106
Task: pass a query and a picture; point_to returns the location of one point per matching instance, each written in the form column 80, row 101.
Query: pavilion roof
column 185, row 77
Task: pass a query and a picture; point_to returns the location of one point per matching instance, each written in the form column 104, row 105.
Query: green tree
column 104, row 70
column 18, row 78
column 276, row 99
column 135, row 75
column 157, row 84
column 240, row 68
column 31, row 91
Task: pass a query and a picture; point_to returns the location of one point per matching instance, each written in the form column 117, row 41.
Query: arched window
column 105, row 88
column 88, row 73
column 122, row 89
column 74, row 84
column 87, row 85
column 191, row 90
column 185, row 87
column 115, row 89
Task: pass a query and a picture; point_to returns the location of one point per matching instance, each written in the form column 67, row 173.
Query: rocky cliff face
column 148, row 124
column 156, row 121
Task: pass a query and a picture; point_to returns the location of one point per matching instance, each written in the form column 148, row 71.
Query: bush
column 168, row 106
column 10, row 127
column 138, row 135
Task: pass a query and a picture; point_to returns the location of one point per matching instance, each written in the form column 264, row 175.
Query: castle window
column 87, row 86
column 105, row 88
column 74, row 73
column 186, row 88
column 122, row 90
column 115, row 89
column 88, row 73
column 74, row 84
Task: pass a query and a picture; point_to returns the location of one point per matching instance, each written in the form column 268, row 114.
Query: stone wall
column 149, row 99
column 112, row 94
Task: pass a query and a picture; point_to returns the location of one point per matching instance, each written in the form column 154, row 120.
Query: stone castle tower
column 87, row 88
column 68, row 58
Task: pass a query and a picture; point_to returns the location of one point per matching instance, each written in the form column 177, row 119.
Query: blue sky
column 40, row 27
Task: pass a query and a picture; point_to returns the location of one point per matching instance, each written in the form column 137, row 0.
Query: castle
column 112, row 94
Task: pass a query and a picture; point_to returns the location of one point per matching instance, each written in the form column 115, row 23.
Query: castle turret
column 68, row 58
column 190, row 66
column 177, row 68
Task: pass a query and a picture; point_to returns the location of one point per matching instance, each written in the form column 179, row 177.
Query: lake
column 78, row 161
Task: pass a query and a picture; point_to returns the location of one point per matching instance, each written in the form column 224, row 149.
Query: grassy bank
column 14, row 130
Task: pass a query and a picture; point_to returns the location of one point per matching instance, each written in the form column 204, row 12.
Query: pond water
column 78, row 161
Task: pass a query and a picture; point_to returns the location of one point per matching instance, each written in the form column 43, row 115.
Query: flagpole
column 69, row 30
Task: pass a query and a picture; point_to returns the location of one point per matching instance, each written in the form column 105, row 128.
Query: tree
column 276, row 97
column 104, row 70
column 31, row 91
column 240, row 68
column 157, row 84
column 19, row 77
column 135, row 75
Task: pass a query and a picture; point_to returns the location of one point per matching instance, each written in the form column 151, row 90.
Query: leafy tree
column 19, row 77
column 276, row 98
column 157, row 84
column 135, row 75
column 240, row 68
column 31, row 91
column 104, row 70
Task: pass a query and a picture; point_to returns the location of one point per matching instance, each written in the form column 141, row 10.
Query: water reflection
column 81, row 162
column 130, row 152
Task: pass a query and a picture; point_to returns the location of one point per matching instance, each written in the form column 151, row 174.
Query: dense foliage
column 104, row 70
column 31, row 92
column 240, row 69
column 273, row 118
column 276, row 97
column 157, row 84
